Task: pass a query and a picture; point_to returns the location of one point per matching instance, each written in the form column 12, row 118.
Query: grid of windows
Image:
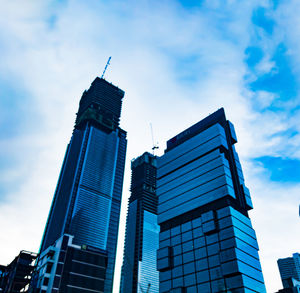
column 212, row 253
column 148, row 275
column 207, row 243
column 91, row 214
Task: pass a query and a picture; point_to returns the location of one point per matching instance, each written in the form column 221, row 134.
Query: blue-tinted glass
column 228, row 243
column 191, row 289
column 197, row 222
column 165, row 286
column 177, row 249
column 187, row 246
column 218, row 285
column 189, row 268
column 202, row 276
column 215, row 273
column 246, row 247
column 163, row 263
column 186, row 227
column 200, row 253
column 195, row 177
column 175, row 231
column 213, row 249
column 204, row 288
column 163, row 252
column 199, row 242
column 163, row 276
column 207, row 216
column 214, row 261
column 187, row 236
column 147, row 266
column 164, row 243
column 209, row 227
column 197, row 232
column 189, row 280
column 164, row 235
column 212, row 238
column 188, row 257
column 177, row 272
column 177, row 260
column 201, row 264
column 176, row 240
column 177, row 282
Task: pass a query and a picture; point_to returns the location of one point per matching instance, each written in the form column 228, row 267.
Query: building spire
column 106, row 66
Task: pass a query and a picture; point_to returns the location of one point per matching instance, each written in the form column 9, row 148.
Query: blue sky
column 177, row 61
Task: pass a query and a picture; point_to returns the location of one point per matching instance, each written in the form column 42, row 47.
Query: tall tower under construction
column 139, row 272
column 86, row 203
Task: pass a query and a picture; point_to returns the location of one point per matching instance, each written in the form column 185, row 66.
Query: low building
column 66, row 267
column 16, row 276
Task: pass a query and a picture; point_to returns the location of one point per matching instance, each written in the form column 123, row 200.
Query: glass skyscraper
column 87, row 199
column 139, row 272
column 289, row 269
column 206, row 241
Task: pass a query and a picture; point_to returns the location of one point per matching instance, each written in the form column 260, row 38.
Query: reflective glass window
column 201, row 264
column 177, row 282
column 200, row 252
column 199, row 242
column 197, row 232
column 176, row 240
column 189, row 268
column 188, row 257
column 214, row 261
column 189, row 280
column 196, row 222
column 177, row 260
column 175, row 231
column 187, row 236
column 202, row 276
column 187, row 246
column 186, row 226
column 215, row 273
column 177, row 249
column 177, row 272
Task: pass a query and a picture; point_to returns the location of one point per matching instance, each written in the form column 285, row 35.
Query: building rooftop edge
column 216, row 117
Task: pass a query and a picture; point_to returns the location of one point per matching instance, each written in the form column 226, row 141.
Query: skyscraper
column 207, row 243
column 139, row 272
column 87, row 199
column 289, row 269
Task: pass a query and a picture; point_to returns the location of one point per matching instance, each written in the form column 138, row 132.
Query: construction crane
column 106, row 67
column 155, row 146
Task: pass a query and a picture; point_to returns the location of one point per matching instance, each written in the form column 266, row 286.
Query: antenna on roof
column 106, row 66
column 155, row 146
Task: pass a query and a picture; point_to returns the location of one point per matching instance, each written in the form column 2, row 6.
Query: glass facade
column 87, row 199
column 289, row 269
column 148, row 275
column 206, row 241
column 139, row 273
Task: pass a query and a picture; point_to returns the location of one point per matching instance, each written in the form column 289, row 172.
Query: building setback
column 139, row 272
column 206, row 241
column 87, row 199
column 67, row 267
